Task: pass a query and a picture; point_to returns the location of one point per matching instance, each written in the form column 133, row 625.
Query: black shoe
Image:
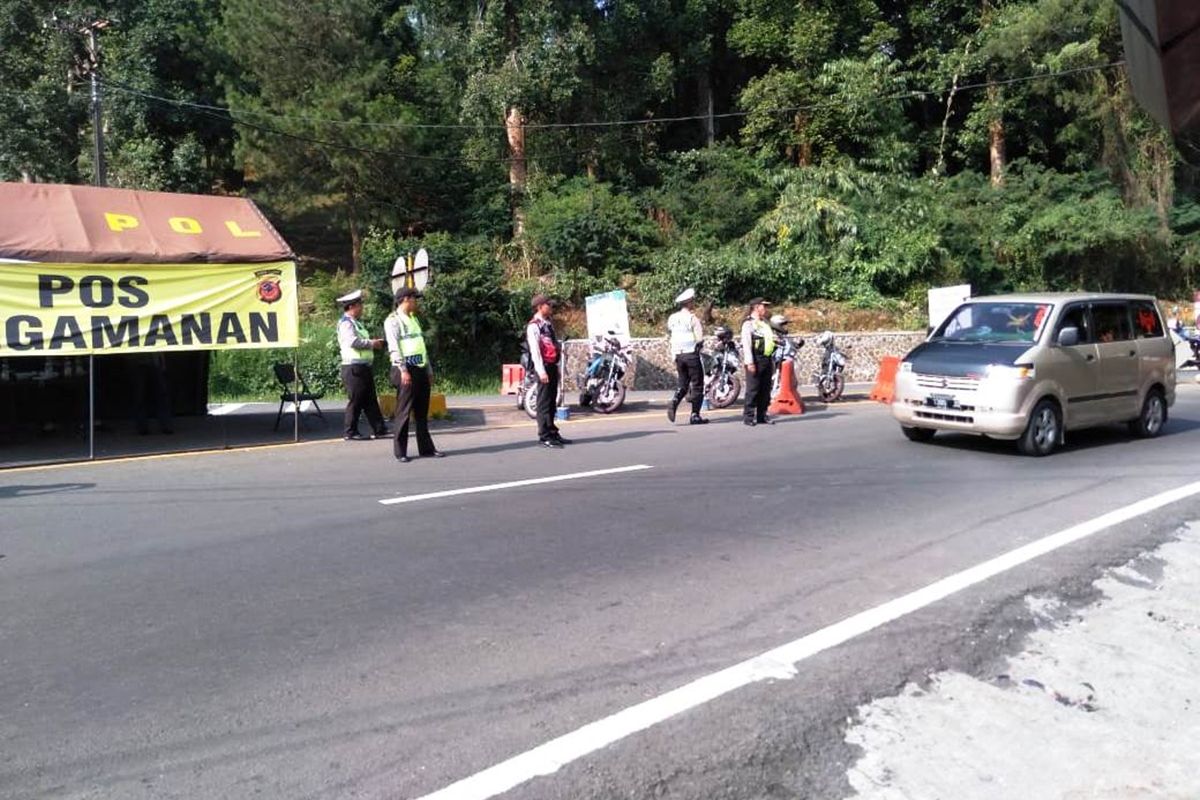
column 354, row 437
column 766, row 421
column 403, row 459
column 561, row 440
column 554, row 444
column 381, row 435
column 697, row 420
column 749, row 423
column 434, row 454
column 671, row 407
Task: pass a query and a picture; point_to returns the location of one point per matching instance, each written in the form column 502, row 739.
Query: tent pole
column 91, row 407
column 296, row 391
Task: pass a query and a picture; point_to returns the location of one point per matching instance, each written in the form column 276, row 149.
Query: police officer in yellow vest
column 410, row 374
column 758, row 345
column 356, row 346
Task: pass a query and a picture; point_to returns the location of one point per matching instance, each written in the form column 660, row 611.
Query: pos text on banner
column 74, row 309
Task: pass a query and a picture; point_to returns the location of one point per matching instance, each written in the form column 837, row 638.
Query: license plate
column 940, row 401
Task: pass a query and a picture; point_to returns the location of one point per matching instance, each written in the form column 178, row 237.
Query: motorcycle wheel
column 531, row 396
column 608, row 402
column 725, row 392
column 831, row 387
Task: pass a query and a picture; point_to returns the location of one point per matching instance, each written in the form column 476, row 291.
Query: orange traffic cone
column 884, row 390
column 788, row 400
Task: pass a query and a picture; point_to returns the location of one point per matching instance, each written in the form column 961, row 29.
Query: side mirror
column 1068, row 337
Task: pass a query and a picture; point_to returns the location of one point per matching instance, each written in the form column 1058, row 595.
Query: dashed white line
column 779, row 663
column 491, row 487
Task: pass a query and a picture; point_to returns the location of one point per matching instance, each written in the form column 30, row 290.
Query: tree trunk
column 355, row 239
column 996, row 150
column 706, row 108
column 514, row 125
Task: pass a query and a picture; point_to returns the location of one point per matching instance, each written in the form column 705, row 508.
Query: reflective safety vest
column 350, row 354
column 763, row 338
column 412, row 341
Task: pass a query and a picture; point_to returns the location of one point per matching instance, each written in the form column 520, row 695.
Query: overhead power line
column 315, row 120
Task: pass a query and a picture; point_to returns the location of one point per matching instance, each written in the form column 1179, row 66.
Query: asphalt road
column 258, row 624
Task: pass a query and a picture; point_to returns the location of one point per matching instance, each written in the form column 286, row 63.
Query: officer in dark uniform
column 758, row 347
column 356, row 346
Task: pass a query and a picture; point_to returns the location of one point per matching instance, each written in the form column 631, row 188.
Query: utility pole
column 100, row 172
column 90, row 67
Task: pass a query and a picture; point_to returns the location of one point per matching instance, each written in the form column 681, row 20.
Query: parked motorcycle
column 830, row 376
column 787, row 348
column 722, row 384
column 601, row 386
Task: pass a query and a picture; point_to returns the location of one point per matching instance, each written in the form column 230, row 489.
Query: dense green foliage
column 852, row 150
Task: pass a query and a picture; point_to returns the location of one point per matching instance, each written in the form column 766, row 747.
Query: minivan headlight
column 906, row 366
column 1018, row 372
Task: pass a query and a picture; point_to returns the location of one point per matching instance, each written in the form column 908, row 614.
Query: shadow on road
column 1104, row 436
column 576, row 441
column 21, row 490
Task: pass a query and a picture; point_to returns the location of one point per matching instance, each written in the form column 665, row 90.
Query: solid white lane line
column 412, row 498
column 779, row 663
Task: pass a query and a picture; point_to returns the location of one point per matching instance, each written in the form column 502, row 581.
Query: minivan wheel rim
column 1045, row 430
column 1154, row 414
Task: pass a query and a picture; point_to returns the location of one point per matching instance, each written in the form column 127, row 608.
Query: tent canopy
column 87, row 224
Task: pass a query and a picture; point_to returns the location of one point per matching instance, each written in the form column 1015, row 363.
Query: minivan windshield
column 995, row 322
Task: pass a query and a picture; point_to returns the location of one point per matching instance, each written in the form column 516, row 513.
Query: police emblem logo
column 270, row 287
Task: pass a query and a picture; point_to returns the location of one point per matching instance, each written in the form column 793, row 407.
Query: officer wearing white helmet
column 687, row 336
column 356, row 346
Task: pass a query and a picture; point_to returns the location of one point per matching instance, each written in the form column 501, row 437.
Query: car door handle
column 1133, row 353
column 1090, row 357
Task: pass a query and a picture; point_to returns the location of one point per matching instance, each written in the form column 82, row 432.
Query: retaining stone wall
column 653, row 367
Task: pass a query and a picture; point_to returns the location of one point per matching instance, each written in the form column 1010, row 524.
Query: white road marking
column 412, row 498
column 221, row 409
column 779, row 663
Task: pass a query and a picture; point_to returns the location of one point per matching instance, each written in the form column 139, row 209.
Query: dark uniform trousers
column 360, row 387
column 547, row 404
column 411, row 400
column 691, row 377
column 758, row 388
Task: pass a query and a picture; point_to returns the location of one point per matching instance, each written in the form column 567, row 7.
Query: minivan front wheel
column 1044, row 430
column 1153, row 417
column 917, row 434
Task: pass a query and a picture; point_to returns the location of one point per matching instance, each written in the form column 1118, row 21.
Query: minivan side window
column 1146, row 322
column 1076, row 316
column 1111, row 321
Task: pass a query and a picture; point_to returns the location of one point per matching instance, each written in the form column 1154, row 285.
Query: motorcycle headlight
column 1017, row 372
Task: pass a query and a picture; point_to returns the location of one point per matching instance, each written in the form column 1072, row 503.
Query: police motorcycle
column 829, row 377
column 1192, row 339
column 601, row 386
column 786, row 348
column 722, row 384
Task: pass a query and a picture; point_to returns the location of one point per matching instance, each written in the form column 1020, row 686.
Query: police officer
column 758, row 346
column 410, row 374
column 687, row 337
column 545, row 351
column 356, row 344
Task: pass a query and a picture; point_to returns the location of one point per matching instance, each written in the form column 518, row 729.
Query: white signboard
column 944, row 300
column 608, row 312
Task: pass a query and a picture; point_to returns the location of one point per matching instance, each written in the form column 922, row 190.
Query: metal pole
column 91, row 407
column 100, row 178
column 296, row 391
column 99, row 174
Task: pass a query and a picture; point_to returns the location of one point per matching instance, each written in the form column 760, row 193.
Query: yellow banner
column 73, row 309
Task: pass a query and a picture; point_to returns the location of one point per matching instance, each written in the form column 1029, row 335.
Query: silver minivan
column 1030, row 367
